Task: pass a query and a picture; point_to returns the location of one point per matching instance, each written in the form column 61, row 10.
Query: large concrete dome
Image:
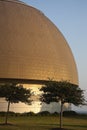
column 31, row 46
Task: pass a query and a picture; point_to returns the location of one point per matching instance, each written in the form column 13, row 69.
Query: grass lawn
column 44, row 123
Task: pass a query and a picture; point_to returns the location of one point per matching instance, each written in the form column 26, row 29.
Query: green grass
column 43, row 123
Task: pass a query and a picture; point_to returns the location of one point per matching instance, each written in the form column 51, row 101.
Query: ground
column 44, row 123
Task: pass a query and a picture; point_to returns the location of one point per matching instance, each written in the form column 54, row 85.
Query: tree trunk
column 6, row 119
column 61, row 114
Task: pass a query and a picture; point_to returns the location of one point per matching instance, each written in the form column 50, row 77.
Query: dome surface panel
column 31, row 47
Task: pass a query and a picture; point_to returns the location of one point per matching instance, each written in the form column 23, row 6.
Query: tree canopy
column 63, row 91
column 15, row 93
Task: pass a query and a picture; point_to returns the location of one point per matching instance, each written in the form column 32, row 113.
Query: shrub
column 28, row 114
column 11, row 113
column 2, row 113
column 55, row 114
column 44, row 113
column 69, row 113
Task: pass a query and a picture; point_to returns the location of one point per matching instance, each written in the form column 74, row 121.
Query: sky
column 70, row 17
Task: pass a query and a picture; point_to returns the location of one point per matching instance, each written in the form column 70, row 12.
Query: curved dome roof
column 31, row 47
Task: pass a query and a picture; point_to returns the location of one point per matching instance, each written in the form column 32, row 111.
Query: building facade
column 32, row 49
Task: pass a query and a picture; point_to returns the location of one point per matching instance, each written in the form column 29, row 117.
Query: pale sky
column 70, row 17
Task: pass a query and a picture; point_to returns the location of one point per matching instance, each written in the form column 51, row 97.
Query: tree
column 62, row 91
column 14, row 93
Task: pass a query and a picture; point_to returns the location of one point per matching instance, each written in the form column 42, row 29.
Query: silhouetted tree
column 14, row 93
column 62, row 91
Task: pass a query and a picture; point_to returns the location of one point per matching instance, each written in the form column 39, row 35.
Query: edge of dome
column 23, row 3
column 15, row 1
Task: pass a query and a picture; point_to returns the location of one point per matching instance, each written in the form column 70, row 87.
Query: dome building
column 32, row 49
